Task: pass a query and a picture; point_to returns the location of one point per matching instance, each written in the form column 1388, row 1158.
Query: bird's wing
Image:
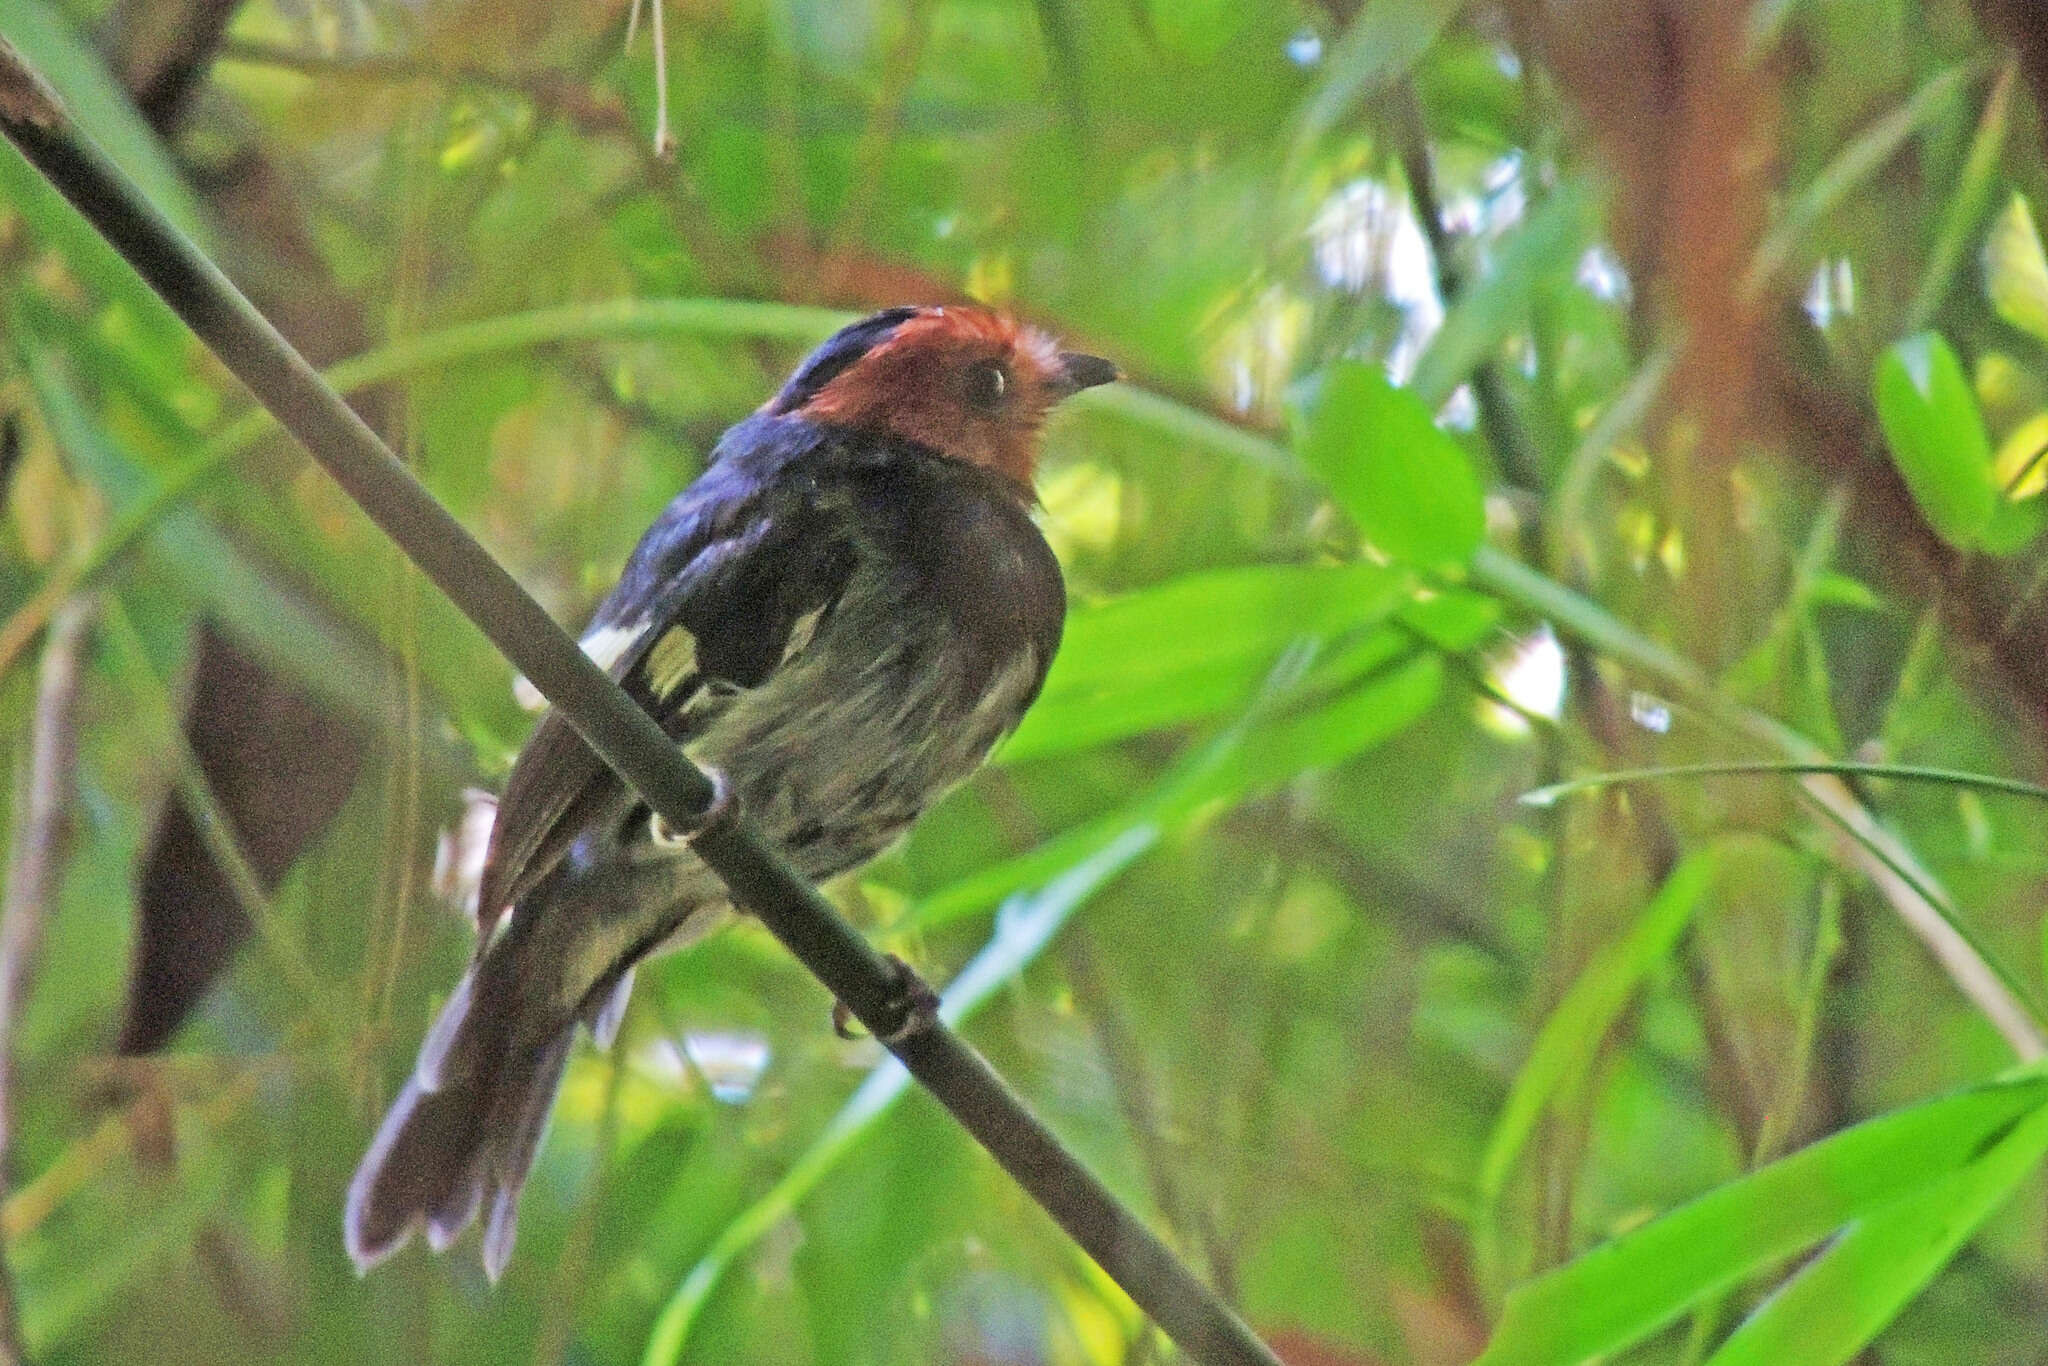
column 721, row 591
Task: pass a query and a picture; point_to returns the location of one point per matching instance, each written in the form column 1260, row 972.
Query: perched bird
column 841, row 616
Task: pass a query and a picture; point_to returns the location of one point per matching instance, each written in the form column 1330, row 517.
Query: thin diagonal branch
column 626, row 737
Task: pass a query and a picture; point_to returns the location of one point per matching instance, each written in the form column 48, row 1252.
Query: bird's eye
column 987, row 384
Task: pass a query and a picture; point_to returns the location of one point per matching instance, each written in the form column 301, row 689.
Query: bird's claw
column 722, row 809
column 914, row 1002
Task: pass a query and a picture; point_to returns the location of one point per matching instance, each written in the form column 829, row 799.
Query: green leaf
column 1936, row 433
column 1843, row 1298
column 1259, row 753
column 1624, row 1290
column 1408, row 485
column 1342, row 728
column 2016, row 269
column 1833, row 589
column 1452, row 619
column 1191, row 648
column 2013, row 526
column 1565, row 1046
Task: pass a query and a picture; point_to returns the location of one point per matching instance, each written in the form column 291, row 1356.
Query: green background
column 1702, row 426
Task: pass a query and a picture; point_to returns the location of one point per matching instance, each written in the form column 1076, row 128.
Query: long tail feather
column 461, row 1136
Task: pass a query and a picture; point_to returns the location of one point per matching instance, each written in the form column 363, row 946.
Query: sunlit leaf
column 1453, row 619
column 1623, row 1290
column 1839, row 590
column 2021, row 468
column 1937, row 436
column 2013, row 525
column 1410, row 487
column 1835, row 1304
column 1191, row 647
column 2016, row 269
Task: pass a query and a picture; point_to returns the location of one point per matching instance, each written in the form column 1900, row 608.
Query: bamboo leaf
column 2016, row 269
column 1832, row 1308
column 1937, row 436
column 1190, row 648
column 1257, row 754
column 1409, row 487
column 1624, row 1290
column 1569, row 1039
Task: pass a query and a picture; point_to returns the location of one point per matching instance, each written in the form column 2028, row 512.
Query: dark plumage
column 843, row 614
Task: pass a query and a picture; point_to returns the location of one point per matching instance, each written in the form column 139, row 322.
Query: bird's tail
column 463, row 1132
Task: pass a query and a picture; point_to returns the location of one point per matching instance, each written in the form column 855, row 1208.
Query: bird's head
column 966, row 382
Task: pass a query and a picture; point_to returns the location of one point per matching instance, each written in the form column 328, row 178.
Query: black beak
column 1078, row 372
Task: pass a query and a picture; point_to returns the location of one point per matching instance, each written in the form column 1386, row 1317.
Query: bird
column 839, row 619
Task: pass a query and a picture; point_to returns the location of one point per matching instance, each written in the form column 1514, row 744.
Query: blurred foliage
column 1519, row 391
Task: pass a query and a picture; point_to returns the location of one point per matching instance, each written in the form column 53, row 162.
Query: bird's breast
column 931, row 653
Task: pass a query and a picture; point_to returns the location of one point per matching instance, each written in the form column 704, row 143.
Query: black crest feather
column 835, row 354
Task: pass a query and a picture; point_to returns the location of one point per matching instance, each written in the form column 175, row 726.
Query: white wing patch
column 604, row 646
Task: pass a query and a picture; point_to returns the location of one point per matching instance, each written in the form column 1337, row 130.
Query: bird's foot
column 914, row 1003
column 722, row 809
